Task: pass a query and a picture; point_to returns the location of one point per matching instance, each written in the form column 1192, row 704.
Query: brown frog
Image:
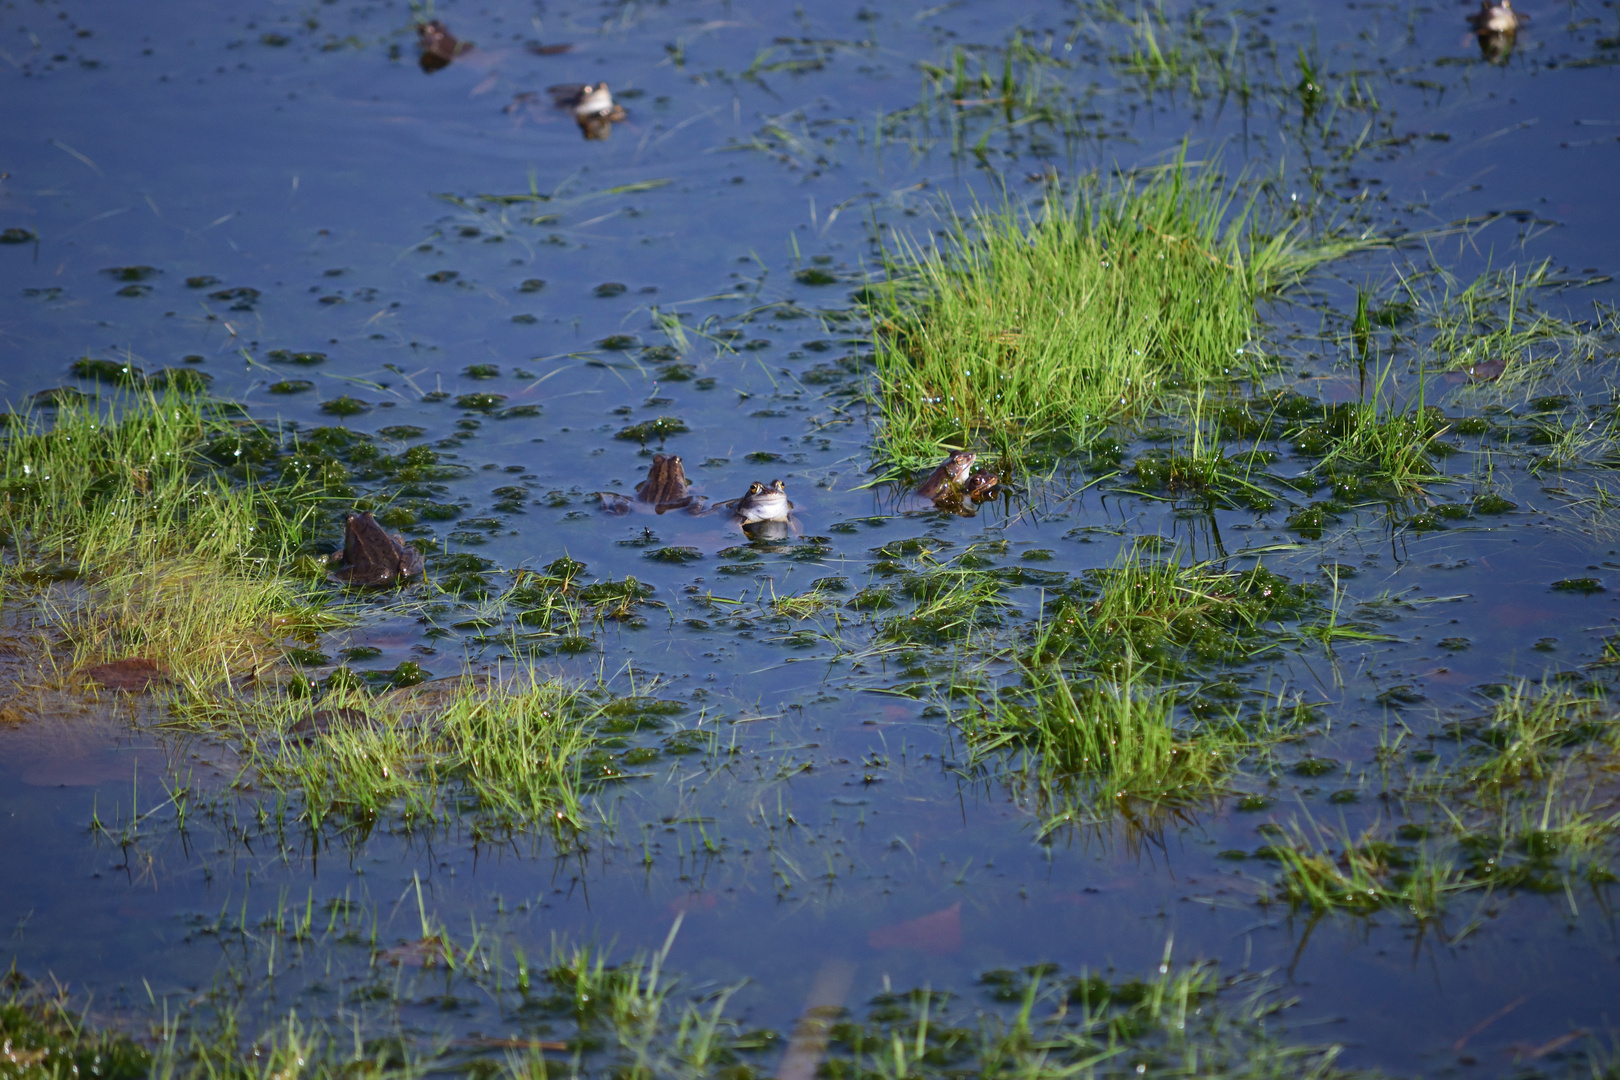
column 372, row 556
column 951, row 474
column 981, row 486
column 438, row 45
column 666, row 486
column 593, row 107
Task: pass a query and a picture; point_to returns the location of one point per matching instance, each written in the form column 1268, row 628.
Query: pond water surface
column 297, row 185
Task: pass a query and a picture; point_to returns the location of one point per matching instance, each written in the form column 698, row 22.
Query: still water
column 234, row 189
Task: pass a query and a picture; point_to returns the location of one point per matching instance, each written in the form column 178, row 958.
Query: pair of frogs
column 956, row 479
column 667, row 488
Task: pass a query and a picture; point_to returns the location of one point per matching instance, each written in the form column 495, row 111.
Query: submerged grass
column 1522, row 798
column 1026, row 328
column 1162, row 616
column 130, row 544
column 580, row 1015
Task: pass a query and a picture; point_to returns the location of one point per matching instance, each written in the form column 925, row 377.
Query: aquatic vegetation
column 1494, row 328
column 1092, row 309
column 1520, row 800
column 951, row 602
column 44, row 1039
column 637, row 1017
column 506, row 753
column 1196, row 52
column 1162, row 615
column 167, row 559
column 1101, row 747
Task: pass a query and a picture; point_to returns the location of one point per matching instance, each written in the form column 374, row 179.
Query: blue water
column 340, row 182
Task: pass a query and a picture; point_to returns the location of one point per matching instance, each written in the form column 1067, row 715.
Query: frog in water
column 438, row 45
column 951, row 475
column 593, row 107
column 1496, row 27
column 763, row 503
column 981, row 486
column 372, row 556
column 666, row 488
column 1497, row 18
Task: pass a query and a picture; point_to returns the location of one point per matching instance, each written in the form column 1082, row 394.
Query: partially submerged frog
column 950, row 476
column 981, row 486
column 1497, row 18
column 438, row 45
column 372, row 556
column 666, row 488
column 1496, row 26
column 593, row 107
column 763, row 503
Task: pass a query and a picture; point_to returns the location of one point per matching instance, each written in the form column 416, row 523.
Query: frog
column 763, row 503
column 1497, row 18
column 593, row 107
column 950, row 475
column 438, row 46
column 666, row 486
column 371, row 556
column 981, row 485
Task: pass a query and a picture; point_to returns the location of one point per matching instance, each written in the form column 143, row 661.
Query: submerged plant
column 1523, row 800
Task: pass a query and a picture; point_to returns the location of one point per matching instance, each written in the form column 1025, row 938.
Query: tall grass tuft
column 132, row 545
column 1100, row 746
column 1022, row 326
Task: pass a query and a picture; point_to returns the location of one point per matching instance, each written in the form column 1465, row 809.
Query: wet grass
column 44, row 1039
column 1166, row 617
column 127, row 543
column 503, row 755
column 1100, row 747
column 578, row 1013
column 1519, row 798
column 1496, row 328
column 1024, row 330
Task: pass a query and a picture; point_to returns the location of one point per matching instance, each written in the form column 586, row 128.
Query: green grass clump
column 1164, row 616
column 1025, row 328
column 1520, row 798
column 1363, row 877
column 43, row 1039
column 1100, row 745
column 508, row 755
column 130, row 543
